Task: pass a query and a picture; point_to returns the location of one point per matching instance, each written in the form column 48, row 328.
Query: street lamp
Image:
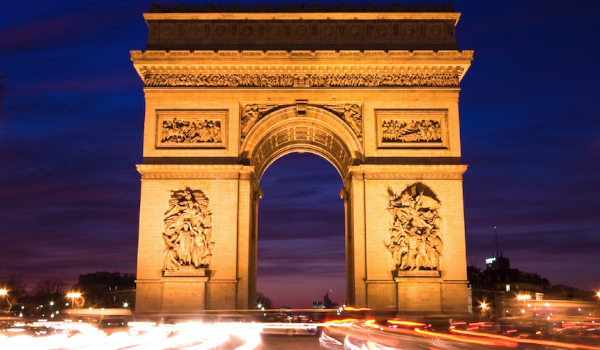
column 73, row 296
column 4, row 293
column 483, row 306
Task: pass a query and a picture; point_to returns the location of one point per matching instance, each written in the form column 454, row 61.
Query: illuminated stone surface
column 215, row 120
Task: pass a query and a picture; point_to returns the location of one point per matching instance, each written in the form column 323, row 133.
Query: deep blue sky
column 72, row 125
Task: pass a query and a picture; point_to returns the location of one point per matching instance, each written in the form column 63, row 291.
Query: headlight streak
column 141, row 336
column 528, row 341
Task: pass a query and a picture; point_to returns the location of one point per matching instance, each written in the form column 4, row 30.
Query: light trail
column 139, row 336
column 527, row 341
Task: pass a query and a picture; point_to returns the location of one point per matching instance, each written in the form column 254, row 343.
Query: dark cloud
column 71, row 133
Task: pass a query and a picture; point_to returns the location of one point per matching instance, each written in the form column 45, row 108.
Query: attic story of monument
column 374, row 90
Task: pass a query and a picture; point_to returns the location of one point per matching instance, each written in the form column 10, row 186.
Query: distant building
column 499, row 284
column 317, row 305
column 107, row 289
column 327, row 303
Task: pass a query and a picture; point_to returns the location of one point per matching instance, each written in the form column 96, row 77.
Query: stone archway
column 301, row 128
column 314, row 130
column 376, row 102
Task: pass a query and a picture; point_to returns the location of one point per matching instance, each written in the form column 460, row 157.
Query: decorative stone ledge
column 186, row 271
column 417, row 273
column 288, row 8
column 192, row 171
column 406, row 172
column 303, row 54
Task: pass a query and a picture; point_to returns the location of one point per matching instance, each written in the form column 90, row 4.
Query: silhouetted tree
column 15, row 290
column 262, row 300
column 48, row 287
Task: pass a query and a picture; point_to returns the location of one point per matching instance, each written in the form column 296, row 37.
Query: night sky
column 72, row 125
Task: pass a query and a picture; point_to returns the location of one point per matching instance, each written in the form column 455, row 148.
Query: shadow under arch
column 284, row 131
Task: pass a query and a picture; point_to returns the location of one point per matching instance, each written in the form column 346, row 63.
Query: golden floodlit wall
column 387, row 120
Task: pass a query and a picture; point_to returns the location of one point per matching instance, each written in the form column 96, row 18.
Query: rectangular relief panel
column 410, row 128
column 192, row 128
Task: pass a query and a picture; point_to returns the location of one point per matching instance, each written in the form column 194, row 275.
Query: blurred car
column 113, row 325
column 289, row 326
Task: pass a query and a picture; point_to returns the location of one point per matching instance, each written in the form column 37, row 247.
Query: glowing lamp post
column 73, row 296
column 524, row 298
column 4, row 293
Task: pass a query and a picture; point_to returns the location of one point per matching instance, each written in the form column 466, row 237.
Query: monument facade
column 374, row 90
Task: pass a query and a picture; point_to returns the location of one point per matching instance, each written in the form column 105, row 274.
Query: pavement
column 284, row 342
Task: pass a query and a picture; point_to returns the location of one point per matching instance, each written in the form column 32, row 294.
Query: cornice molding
column 304, row 55
column 406, row 172
column 209, row 68
column 305, row 9
column 196, row 172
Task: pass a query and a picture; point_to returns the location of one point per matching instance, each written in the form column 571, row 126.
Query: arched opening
column 301, row 241
column 323, row 137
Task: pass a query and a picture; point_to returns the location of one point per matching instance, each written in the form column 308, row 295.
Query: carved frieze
column 187, row 232
column 411, row 128
column 303, row 80
column 191, row 129
column 351, row 113
column 415, row 242
column 407, row 131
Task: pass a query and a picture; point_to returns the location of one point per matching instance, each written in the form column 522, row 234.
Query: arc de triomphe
column 373, row 90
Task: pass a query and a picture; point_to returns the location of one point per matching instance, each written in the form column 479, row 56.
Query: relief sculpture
column 188, row 231
column 194, row 130
column 351, row 113
column 395, row 130
column 415, row 241
column 252, row 113
column 308, row 80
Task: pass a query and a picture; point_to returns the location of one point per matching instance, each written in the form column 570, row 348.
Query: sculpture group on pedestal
column 415, row 241
column 188, row 231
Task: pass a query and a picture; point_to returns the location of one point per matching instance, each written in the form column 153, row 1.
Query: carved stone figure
column 188, row 231
column 194, row 130
column 415, row 242
column 252, row 113
column 309, row 80
column 401, row 131
column 351, row 113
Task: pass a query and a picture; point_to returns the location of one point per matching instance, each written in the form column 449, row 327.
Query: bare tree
column 15, row 288
column 263, row 301
column 49, row 286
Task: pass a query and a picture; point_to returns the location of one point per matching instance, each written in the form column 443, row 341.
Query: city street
column 281, row 342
